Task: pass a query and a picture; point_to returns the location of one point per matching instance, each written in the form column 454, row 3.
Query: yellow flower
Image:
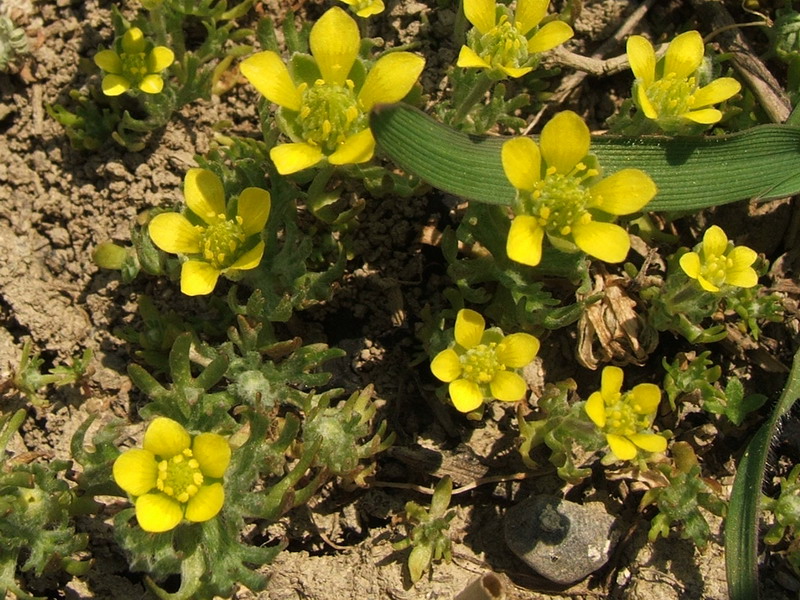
column 669, row 90
column 216, row 244
column 506, row 45
column 480, row 363
column 137, row 65
column 560, row 194
column 716, row 262
column 325, row 112
column 174, row 476
column 626, row 418
column 365, row 8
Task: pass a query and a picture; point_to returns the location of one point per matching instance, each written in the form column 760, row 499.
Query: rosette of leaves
column 37, row 506
column 13, row 43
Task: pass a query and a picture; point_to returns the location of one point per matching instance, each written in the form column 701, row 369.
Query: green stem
column 477, row 93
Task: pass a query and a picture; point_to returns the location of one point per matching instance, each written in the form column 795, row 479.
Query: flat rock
column 561, row 540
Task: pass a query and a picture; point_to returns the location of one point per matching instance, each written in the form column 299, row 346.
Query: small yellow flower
column 626, row 418
column 365, row 8
column 325, row 113
column 137, row 65
column 216, row 244
column 669, row 90
column 716, row 262
column 509, row 46
column 481, row 363
column 561, row 195
column 174, row 476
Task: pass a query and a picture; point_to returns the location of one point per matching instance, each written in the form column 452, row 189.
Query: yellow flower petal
column 109, row 61
column 373, row 8
column 690, row 263
column 715, row 242
column 508, row 386
column 133, row 41
column 652, row 442
column 166, row 438
column 136, row 471
column 206, row 503
column 446, row 366
column 684, row 55
column 204, row 194
column 606, row 241
column 622, row 448
column 549, row 36
column 646, row 397
column 524, row 243
column 517, row 350
column 151, row 84
column 528, row 14
column 642, row 57
column 515, row 72
column 704, row 116
column 390, row 79
column 334, row 43
column 707, row 285
column 157, row 513
column 466, row 395
column 173, row 233
column 267, row 73
column 644, row 102
column 250, row 259
column 294, row 157
column 114, row 85
column 611, row 382
column 623, row 193
column 253, row 207
column 718, row 90
column 564, row 141
column 468, row 58
column 159, row 59
column 481, row 13
column 198, row 278
column 744, row 278
column 595, row 407
column 521, row 163
column 469, row 328
column 356, row 149
column 213, row 453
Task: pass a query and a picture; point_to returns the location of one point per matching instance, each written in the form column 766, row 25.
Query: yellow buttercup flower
column 670, row 91
column 174, row 476
column 325, row 112
column 481, row 364
column 505, row 44
column 136, row 65
column 560, row 193
column 365, row 8
column 716, row 262
column 626, row 418
column 215, row 243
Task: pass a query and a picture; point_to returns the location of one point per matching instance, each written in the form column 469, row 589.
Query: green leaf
column 741, row 527
column 691, row 173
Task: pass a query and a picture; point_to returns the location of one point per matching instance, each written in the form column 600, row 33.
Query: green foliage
column 30, row 381
column 13, row 43
column 681, row 496
column 563, row 426
column 427, row 531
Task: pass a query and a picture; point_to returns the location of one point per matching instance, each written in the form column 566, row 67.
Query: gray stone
column 561, row 540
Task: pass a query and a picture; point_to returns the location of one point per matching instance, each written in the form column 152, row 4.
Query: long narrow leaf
column 691, row 173
column 741, row 532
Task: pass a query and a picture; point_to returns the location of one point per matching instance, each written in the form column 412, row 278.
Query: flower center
column 329, row 114
column 624, row 416
column 559, row 201
column 479, row 364
column 714, row 268
column 503, row 45
column 134, row 66
column 672, row 97
column 222, row 240
column 179, row 476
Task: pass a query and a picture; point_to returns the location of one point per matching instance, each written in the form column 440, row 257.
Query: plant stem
column 475, row 95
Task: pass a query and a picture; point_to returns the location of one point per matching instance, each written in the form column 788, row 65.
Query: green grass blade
column 691, row 173
column 741, row 525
